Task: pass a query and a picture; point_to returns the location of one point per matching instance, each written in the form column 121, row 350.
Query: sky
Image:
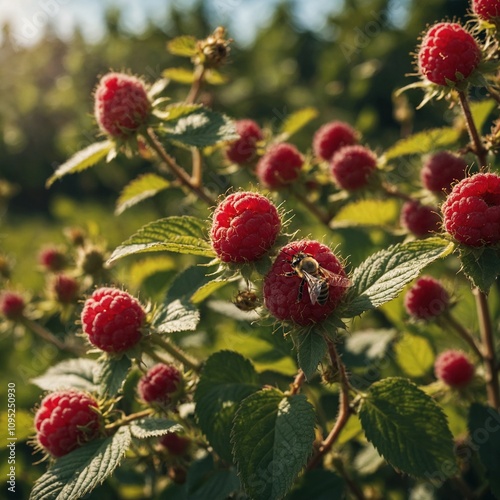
column 241, row 17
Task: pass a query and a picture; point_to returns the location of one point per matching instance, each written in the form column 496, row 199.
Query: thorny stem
column 463, row 333
column 296, row 385
column 176, row 353
column 489, row 356
column 196, row 86
column 130, row 418
column 479, row 149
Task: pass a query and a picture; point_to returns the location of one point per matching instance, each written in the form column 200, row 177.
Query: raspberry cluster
column 280, row 166
column 161, row 384
column 244, row 149
column 332, row 136
column 426, row 299
column 454, row 368
column 352, row 166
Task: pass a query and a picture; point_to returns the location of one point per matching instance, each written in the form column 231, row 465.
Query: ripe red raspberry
column 441, row 170
column 175, row 443
column 454, row 368
column 471, row 212
column 426, row 299
column 332, row 136
column 161, row 384
column 279, row 166
column 52, row 259
column 121, row 105
column 65, row 288
column 112, row 319
column 448, row 53
column 244, row 227
column 282, row 284
column 421, row 220
column 66, row 420
column 12, row 305
column 244, row 149
column 488, row 10
column 352, row 166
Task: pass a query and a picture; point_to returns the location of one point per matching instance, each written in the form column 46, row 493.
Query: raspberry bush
column 275, row 336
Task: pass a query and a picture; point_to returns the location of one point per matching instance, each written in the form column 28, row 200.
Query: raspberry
column 454, row 368
column 161, row 384
column 112, row 319
column 426, row 299
column 280, row 166
column 441, row 170
column 244, row 149
column 12, row 305
column 332, row 136
column 91, row 261
column 122, row 105
column 448, row 53
column 488, row 10
column 421, row 220
column 52, row 259
column 352, row 166
column 65, row 288
column 471, row 212
column 244, row 227
column 175, row 443
column 66, row 420
column 282, row 286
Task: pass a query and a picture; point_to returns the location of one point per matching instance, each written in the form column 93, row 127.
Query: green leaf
column 112, row 374
column 383, row 275
column 311, row 349
column 297, row 120
column 214, row 77
column 180, row 75
column 181, row 234
column 408, row 429
column 226, row 379
column 76, row 373
column 82, row 160
column 79, row 472
column 186, row 283
column 153, row 427
column 481, row 266
column 145, row 186
column 368, row 213
column 423, row 142
column 184, row 46
column 200, row 128
column 484, row 427
column 481, row 110
column 272, row 436
column 414, row 355
column 177, row 316
column 208, row 289
column 177, row 110
column 371, row 345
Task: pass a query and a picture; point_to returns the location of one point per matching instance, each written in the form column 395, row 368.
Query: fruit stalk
column 176, row 353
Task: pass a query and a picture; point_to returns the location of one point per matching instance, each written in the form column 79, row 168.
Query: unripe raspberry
column 421, row 220
column 332, row 136
column 487, row 10
column 454, row 368
column 12, row 305
column 65, row 288
column 441, row 170
column 352, row 166
column 448, row 53
column 66, row 420
column 471, row 212
column 91, row 261
column 175, row 443
column 244, row 149
column 244, row 227
column 122, row 105
column 283, row 284
column 112, row 319
column 426, row 299
column 52, row 259
column 161, row 384
column 280, row 166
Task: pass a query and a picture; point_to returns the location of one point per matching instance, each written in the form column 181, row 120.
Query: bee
column 318, row 279
column 246, row 300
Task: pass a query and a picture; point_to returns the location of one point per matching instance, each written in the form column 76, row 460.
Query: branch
column 463, row 333
column 176, row 353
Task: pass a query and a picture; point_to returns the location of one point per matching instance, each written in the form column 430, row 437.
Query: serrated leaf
column 368, row 213
column 153, row 427
column 184, row 46
column 82, row 160
column 78, row 473
column 481, row 266
column 226, row 379
column 181, row 234
column 177, row 316
column 186, row 283
column 481, row 110
column 208, row 289
column 297, row 120
column 272, row 437
column 408, row 428
column 311, row 349
column 414, row 355
column 383, row 275
column 423, row 142
column 146, row 268
column 112, row 374
column 76, row 373
column 179, row 75
column 141, row 188
column 484, row 427
column 177, row 110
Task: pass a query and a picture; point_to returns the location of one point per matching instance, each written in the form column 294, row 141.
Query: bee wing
column 314, row 286
column 335, row 279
